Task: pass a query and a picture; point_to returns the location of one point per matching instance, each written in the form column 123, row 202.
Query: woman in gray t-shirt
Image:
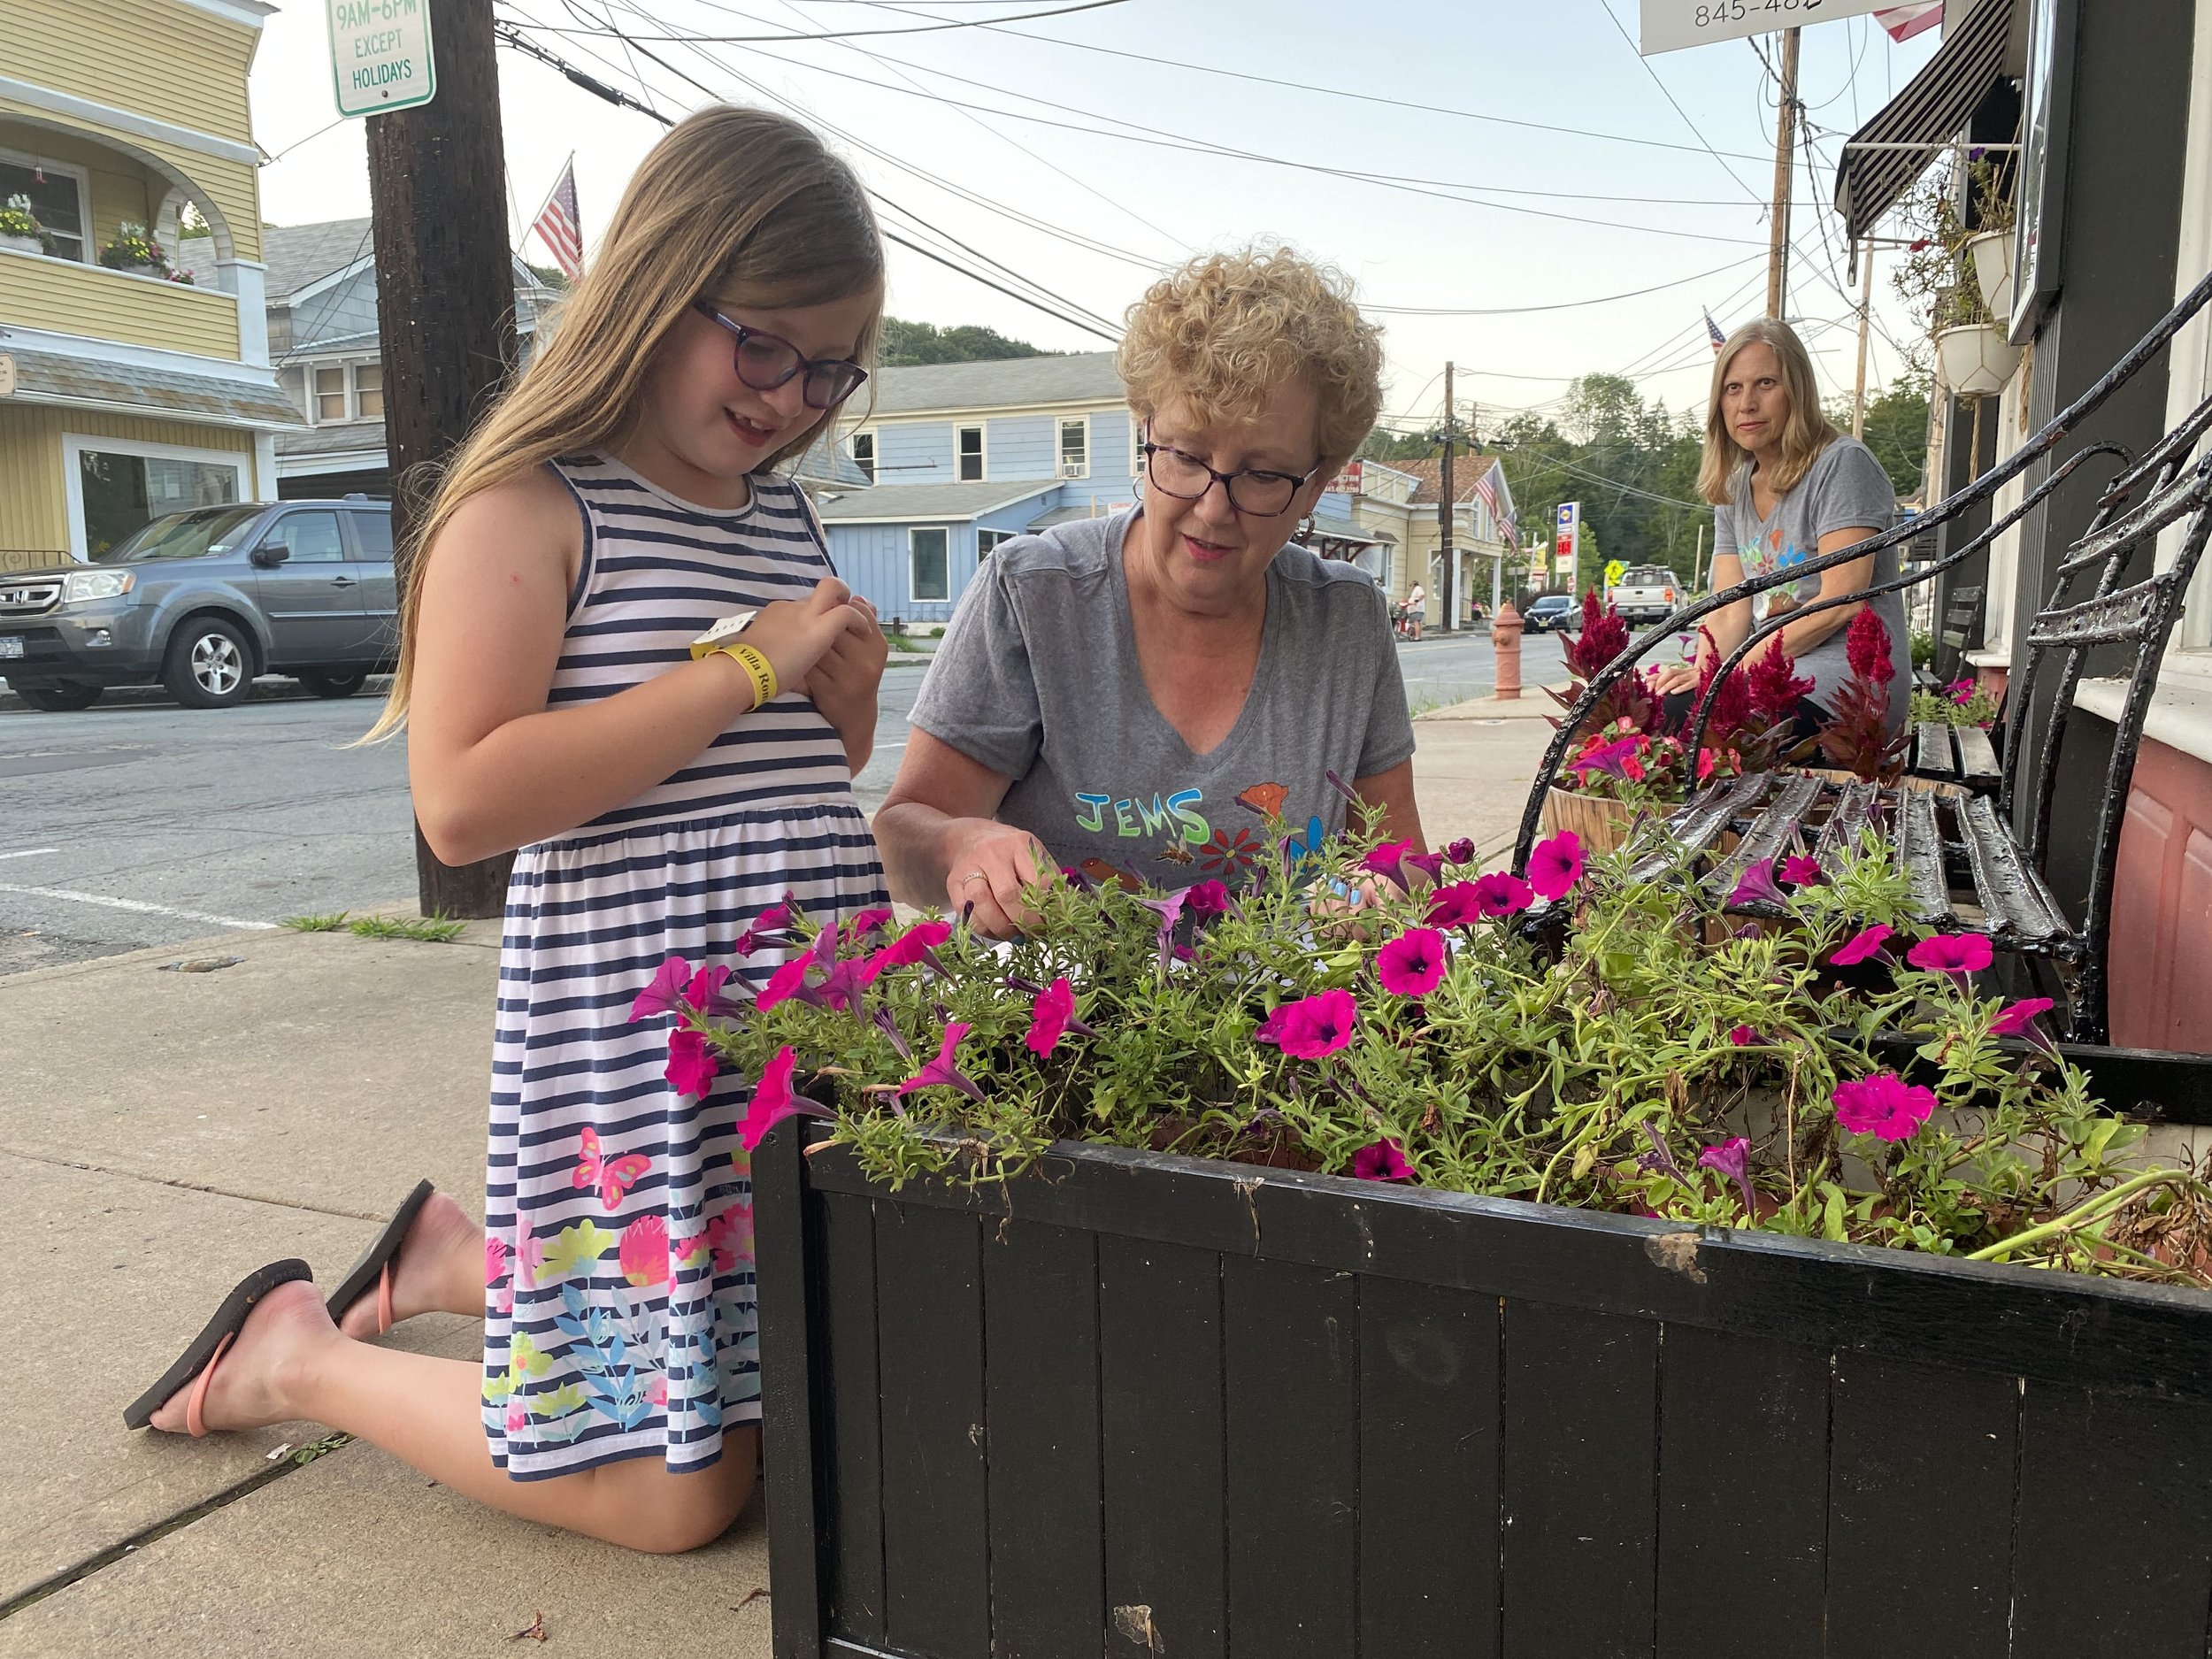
column 1146, row 693
column 1786, row 486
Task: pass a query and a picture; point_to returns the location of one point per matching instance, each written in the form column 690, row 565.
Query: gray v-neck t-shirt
column 1845, row 489
column 1037, row 679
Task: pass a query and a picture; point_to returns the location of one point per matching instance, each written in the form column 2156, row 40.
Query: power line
column 930, row 28
column 1562, row 305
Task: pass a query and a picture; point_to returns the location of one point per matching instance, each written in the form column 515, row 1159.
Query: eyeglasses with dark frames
column 764, row 363
column 1183, row 476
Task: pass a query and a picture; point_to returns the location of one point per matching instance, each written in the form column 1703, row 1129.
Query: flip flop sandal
column 207, row 1349
column 374, row 1270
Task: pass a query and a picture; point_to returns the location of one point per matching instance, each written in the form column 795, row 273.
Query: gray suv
column 204, row 601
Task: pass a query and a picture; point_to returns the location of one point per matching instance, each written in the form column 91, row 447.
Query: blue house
column 964, row 456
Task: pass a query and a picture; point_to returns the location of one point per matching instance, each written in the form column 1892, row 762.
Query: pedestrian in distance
column 1786, row 487
column 1416, row 611
column 579, row 682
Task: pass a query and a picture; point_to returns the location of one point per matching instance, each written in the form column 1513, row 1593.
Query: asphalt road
column 136, row 823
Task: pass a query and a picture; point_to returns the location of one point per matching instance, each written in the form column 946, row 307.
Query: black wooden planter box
column 1139, row 1403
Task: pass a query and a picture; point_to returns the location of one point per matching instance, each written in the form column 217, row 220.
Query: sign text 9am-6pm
column 380, row 57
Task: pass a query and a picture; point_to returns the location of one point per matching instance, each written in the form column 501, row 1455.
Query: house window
column 368, row 390
column 864, row 453
column 330, row 392
column 929, row 571
column 970, row 455
column 57, row 194
column 1136, row 448
column 986, row 541
column 117, row 489
column 1075, row 448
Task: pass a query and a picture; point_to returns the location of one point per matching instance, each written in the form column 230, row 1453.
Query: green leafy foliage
column 326, row 922
column 906, row 344
column 429, row 930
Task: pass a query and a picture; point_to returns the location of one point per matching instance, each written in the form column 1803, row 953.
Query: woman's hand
column 1677, row 677
column 995, row 866
column 844, row 682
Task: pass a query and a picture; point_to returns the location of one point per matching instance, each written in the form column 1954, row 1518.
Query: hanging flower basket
column 1991, row 256
column 1975, row 359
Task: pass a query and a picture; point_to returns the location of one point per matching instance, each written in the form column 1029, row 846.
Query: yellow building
column 124, row 394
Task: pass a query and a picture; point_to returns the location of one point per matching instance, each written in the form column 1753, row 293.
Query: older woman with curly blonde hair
column 1142, row 692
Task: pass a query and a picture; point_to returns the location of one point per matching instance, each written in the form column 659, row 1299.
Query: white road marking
column 31, row 852
column 134, row 904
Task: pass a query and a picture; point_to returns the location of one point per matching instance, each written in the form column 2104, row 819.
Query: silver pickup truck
column 1644, row 593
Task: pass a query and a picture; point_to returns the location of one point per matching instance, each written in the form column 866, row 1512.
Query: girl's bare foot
column 440, row 1269
column 255, row 1381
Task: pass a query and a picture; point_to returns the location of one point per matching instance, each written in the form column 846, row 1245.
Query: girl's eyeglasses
column 764, row 363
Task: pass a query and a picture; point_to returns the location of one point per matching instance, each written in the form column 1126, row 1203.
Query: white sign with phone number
column 1670, row 25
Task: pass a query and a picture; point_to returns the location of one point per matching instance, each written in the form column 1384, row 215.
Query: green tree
column 907, row 344
column 1897, row 432
column 1382, row 444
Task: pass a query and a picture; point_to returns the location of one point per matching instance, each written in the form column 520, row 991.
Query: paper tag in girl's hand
column 728, row 628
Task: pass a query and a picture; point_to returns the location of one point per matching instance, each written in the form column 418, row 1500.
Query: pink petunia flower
column 1732, row 1159
column 1555, row 865
column 1502, row 893
column 2020, row 1016
column 1613, row 758
column 1411, row 964
column 917, row 943
column 1207, row 898
column 1804, row 871
column 1861, row 945
column 773, row 1100
column 1883, row 1105
column 1756, row 886
column 944, row 1071
column 786, row 982
column 1050, row 1017
column 1170, row 910
column 1383, row 1161
column 775, row 920
column 702, row 993
column 866, row 923
column 1312, row 1026
column 1454, row 904
column 1460, row 851
column 1430, row 864
column 1957, row 954
column 666, row 986
column 644, row 1251
column 1389, row 860
column 691, row 1067
column 1744, row 1037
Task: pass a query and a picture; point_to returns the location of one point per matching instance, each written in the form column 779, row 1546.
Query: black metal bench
column 1971, row 870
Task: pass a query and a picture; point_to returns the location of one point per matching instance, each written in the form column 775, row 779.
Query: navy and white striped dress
column 619, row 1253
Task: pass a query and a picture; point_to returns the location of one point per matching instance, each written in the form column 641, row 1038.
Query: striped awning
column 1929, row 112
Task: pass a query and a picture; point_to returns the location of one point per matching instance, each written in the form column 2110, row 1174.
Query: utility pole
column 445, row 318
column 1444, row 517
column 1785, row 163
column 1858, row 390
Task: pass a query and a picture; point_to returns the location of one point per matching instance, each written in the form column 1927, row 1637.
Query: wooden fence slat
column 1040, row 1382
column 1743, row 1496
column 1428, row 1472
column 1920, row 1503
column 1579, row 1396
column 929, row 1320
column 2115, row 1537
column 1290, row 1374
column 853, row 1442
column 1159, row 1318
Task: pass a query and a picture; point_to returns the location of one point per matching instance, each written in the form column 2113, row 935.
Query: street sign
column 1670, row 25
column 1614, row 570
column 380, row 55
column 1347, row 482
column 1569, row 538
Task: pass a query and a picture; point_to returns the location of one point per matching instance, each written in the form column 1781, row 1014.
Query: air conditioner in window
column 1072, row 469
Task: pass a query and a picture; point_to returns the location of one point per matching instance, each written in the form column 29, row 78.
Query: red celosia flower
column 1951, row 953
column 1883, row 1105
column 1866, row 648
column 1861, row 945
column 1729, row 715
column 1383, row 1161
column 1555, row 865
column 1604, row 636
column 691, row 1067
column 2020, row 1016
column 1774, row 685
column 1411, row 964
column 1312, row 1026
column 1500, row 893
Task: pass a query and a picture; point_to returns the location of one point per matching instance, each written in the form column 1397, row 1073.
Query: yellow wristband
column 759, row 668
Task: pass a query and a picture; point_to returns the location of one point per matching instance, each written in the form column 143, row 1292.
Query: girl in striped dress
column 662, row 791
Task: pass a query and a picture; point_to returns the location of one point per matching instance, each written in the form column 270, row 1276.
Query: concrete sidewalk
column 168, row 1132
column 1473, row 765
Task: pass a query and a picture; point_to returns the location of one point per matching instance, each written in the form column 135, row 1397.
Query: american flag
column 1489, row 488
column 1713, row 329
column 558, row 225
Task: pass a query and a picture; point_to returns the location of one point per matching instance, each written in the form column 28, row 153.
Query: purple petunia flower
column 1756, row 886
column 1389, row 860
column 1312, row 1026
column 1383, row 1160
column 1207, row 898
column 1170, row 910
column 1732, row 1159
column 1658, row 1158
column 1804, row 871
column 1883, row 1105
column 1460, row 851
column 1411, row 964
column 944, row 1069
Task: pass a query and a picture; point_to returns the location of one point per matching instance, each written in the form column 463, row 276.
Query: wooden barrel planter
column 1136, row 1403
column 1603, row 823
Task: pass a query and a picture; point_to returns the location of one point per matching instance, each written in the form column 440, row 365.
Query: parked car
column 1644, row 593
column 203, row 601
column 1553, row 613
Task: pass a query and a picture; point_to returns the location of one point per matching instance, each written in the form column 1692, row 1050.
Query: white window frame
column 353, row 386
column 982, row 431
column 73, row 445
column 350, row 389
column 1136, row 450
column 852, row 452
column 912, row 596
column 1082, row 425
column 82, row 178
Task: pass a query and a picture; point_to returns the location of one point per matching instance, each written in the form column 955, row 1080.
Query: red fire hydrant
column 1505, row 643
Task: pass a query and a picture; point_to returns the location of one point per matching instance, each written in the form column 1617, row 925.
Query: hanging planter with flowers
column 20, row 229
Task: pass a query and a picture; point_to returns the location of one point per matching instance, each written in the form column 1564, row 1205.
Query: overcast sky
column 1080, row 141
